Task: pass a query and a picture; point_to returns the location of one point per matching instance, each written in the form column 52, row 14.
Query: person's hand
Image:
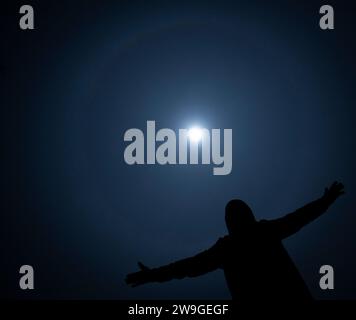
column 333, row 192
column 138, row 278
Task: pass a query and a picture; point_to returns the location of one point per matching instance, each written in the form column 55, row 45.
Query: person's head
column 238, row 216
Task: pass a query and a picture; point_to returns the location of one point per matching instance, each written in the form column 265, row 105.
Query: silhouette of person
column 255, row 262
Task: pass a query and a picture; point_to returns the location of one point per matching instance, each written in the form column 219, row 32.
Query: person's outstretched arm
column 293, row 222
column 202, row 263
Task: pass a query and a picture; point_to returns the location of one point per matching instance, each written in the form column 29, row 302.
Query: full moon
column 195, row 134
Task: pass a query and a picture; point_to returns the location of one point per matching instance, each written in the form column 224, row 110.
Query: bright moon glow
column 195, row 134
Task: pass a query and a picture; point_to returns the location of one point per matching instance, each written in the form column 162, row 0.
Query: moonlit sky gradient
column 93, row 69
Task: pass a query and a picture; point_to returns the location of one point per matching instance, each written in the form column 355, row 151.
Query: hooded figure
column 255, row 263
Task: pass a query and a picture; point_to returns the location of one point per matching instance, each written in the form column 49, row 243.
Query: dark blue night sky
column 82, row 217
